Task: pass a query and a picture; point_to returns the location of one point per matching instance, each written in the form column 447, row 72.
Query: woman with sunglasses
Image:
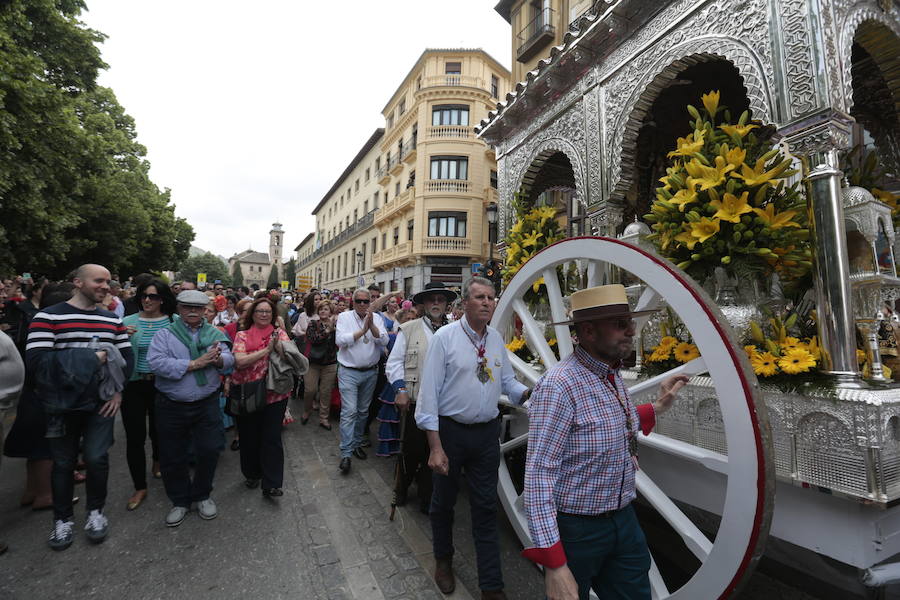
column 157, row 307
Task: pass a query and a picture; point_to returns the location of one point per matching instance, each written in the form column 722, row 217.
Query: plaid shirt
column 578, row 460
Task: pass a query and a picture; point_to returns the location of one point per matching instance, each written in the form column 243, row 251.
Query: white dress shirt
column 365, row 351
column 395, row 368
column 450, row 385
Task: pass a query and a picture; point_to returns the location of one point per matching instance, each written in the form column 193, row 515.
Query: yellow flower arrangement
column 685, row 352
column 671, row 351
column 535, row 228
column 796, row 360
column 764, row 363
column 724, row 200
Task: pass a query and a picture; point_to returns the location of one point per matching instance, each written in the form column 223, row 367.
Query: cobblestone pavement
column 328, row 537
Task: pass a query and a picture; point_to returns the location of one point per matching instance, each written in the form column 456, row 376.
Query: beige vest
column 416, row 348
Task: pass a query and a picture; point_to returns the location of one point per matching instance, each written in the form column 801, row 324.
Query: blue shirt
column 450, row 385
column 169, row 359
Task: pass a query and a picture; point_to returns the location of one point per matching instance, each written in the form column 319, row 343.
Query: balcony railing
column 398, row 204
column 398, row 252
column 394, row 163
column 383, row 174
column 456, row 81
column 447, row 244
column 361, row 225
column 450, row 131
column 536, row 35
column 409, row 150
column 459, row 186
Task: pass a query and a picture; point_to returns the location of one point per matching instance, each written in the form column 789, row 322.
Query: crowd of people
column 185, row 365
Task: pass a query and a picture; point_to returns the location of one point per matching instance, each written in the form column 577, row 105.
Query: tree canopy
column 207, row 263
column 237, row 274
column 74, row 182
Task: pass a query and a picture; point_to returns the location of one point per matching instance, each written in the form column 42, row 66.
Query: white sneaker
column 61, row 536
column 207, row 509
column 97, row 526
column 176, row 516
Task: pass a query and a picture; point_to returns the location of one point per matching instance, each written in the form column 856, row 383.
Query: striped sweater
column 63, row 326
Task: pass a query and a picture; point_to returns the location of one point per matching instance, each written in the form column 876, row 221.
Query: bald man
column 62, row 346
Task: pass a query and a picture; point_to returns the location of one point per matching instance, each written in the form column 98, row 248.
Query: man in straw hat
column 582, row 458
column 403, row 371
column 465, row 370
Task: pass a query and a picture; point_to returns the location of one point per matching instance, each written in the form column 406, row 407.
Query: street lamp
column 319, row 277
column 359, row 262
column 491, row 210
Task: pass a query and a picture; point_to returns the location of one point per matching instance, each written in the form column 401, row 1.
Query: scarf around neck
column 258, row 337
column 209, row 335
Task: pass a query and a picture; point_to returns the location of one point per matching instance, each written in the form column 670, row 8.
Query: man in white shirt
column 360, row 336
column 466, row 369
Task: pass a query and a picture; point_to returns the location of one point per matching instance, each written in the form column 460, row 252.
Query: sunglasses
column 621, row 324
column 154, row 297
column 361, row 300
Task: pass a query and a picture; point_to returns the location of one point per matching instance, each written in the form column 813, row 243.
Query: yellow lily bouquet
column 535, row 228
column 724, row 201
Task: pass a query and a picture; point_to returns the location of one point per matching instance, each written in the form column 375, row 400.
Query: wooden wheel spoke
column 713, row 461
column 533, row 334
column 649, row 300
column 693, row 538
column 558, row 312
column 657, row 585
column 690, row 368
column 594, row 272
column 523, row 368
column 514, row 443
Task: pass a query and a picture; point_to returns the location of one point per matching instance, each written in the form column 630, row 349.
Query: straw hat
column 601, row 302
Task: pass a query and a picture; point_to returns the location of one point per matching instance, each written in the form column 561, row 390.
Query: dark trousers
column 607, row 554
column 97, row 432
column 415, row 457
column 262, row 454
column 474, row 451
column 179, row 424
column 138, row 399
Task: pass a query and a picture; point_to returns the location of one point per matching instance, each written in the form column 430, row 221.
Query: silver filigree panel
column 854, row 16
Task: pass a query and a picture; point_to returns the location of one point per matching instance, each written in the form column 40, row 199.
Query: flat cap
column 192, row 298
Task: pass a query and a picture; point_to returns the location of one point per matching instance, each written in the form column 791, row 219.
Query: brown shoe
column 443, row 575
column 493, row 595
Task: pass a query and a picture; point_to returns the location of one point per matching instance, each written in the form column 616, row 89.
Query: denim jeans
column 177, row 424
column 473, row 451
column 356, row 388
column 97, row 432
column 607, row 554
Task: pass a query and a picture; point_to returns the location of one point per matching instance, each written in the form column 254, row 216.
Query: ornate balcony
column 393, row 254
column 536, row 35
column 383, row 175
column 409, row 151
column 456, row 132
column 455, row 81
column 447, row 245
column 453, row 186
column 395, row 165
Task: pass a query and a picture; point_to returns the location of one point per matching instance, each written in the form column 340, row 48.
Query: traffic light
column 491, row 270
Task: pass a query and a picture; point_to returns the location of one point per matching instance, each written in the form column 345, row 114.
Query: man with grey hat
column 188, row 358
column 403, row 371
column 582, row 457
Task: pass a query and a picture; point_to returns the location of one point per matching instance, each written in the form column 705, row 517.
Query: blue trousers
column 607, row 554
column 177, row 424
column 475, row 452
column 356, row 388
column 97, row 432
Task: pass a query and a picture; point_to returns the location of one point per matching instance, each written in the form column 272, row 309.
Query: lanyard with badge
column 483, row 371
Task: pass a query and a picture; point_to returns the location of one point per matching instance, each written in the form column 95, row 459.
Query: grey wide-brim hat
column 192, row 298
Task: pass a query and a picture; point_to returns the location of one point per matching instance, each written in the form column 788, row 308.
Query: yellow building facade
column 436, row 177
column 338, row 254
column 537, row 26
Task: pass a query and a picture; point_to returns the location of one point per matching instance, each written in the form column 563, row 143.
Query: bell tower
column 276, row 241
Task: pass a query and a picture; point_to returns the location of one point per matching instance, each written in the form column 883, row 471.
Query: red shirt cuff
column 647, row 415
column 553, row 557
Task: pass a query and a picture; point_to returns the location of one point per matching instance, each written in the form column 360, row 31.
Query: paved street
column 329, row 537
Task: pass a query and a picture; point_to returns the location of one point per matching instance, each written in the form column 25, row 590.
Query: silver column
column 817, row 141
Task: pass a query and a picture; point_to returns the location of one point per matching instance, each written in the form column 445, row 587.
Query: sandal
column 136, row 499
column 80, row 477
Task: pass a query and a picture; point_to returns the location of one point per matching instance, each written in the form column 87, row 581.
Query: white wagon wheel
column 749, row 497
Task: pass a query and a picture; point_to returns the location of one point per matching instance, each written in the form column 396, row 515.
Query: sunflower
column 751, row 350
column 764, row 363
column 668, row 341
column 796, row 360
column 685, row 352
column 789, row 343
column 660, row 354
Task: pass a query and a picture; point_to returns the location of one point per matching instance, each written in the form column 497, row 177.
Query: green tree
column 207, row 263
column 237, row 275
column 74, row 183
column 274, row 280
column 290, row 271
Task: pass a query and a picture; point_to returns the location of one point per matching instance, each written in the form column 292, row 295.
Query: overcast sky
column 251, row 110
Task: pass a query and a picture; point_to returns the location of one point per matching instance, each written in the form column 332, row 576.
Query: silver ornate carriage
column 581, row 129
